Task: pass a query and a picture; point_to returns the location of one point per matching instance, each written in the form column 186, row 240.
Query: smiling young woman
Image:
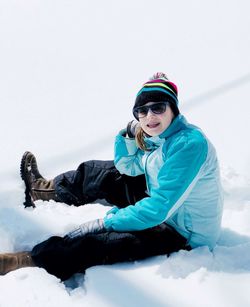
column 159, row 152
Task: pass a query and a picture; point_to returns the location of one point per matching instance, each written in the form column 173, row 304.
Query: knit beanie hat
column 157, row 89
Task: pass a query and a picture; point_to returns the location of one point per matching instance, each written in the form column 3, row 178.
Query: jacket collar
column 177, row 124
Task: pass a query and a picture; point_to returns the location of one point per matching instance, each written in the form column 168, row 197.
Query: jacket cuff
column 108, row 222
column 123, row 132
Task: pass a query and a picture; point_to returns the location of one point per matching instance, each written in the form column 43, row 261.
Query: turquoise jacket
column 183, row 184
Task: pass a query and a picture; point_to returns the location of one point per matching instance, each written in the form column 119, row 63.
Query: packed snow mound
column 151, row 282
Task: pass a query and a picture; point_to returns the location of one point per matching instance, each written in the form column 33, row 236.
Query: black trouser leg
column 99, row 180
column 63, row 259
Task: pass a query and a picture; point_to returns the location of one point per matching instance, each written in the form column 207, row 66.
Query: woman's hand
column 95, row 226
column 132, row 127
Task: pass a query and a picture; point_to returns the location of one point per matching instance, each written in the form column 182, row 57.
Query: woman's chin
column 153, row 132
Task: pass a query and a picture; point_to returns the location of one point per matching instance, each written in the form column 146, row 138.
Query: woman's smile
column 153, row 125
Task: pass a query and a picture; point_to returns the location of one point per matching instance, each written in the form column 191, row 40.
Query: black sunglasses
column 156, row 108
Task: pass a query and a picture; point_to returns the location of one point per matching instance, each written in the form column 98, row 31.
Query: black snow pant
column 99, row 180
column 65, row 258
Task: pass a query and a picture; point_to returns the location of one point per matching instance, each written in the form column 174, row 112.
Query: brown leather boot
column 37, row 187
column 13, row 261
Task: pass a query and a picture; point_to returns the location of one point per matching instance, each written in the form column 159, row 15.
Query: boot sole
column 28, row 201
column 22, row 165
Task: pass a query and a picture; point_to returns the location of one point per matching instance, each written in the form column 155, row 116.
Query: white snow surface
column 69, row 72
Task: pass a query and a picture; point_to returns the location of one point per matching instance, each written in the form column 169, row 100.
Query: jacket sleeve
column 176, row 179
column 128, row 157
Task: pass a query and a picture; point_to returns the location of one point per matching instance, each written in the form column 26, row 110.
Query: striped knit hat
column 157, row 89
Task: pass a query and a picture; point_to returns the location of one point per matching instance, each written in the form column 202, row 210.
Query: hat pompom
column 159, row 75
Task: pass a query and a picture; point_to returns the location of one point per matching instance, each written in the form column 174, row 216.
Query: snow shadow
column 81, row 154
column 231, row 255
column 18, row 230
column 216, row 91
column 115, row 289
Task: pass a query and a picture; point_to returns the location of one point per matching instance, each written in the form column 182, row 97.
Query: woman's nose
column 150, row 113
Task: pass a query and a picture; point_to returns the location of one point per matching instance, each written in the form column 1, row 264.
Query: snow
column 69, row 74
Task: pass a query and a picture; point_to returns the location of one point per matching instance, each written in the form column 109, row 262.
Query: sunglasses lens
column 158, row 108
column 142, row 111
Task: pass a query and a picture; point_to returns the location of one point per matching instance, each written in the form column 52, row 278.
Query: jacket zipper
column 145, row 170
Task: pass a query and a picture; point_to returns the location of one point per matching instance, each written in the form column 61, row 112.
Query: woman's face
column 154, row 124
